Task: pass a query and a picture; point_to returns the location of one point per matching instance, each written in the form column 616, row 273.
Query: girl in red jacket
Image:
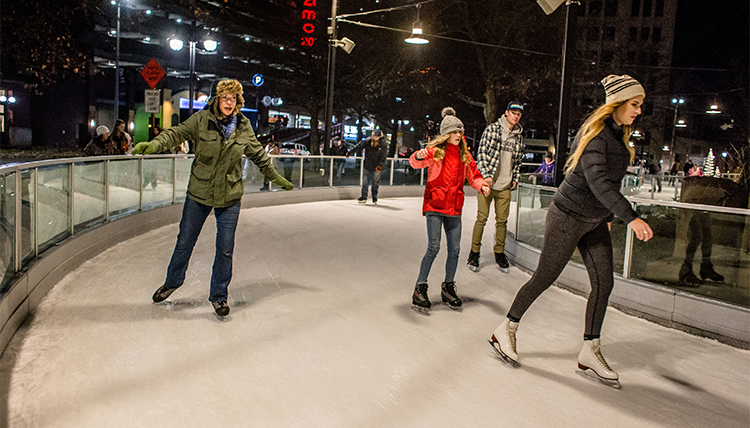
column 449, row 163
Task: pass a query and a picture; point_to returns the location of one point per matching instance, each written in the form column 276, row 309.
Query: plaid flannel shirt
column 491, row 144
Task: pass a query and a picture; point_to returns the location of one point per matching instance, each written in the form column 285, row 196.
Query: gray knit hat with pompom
column 450, row 122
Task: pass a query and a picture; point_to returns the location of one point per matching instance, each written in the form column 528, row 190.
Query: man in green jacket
column 221, row 135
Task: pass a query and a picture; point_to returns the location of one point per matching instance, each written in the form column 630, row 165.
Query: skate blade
column 455, row 308
column 592, row 375
column 421, row 310
column 220, row 317
column 504, row 358
column 504, row 270
column 473, row 268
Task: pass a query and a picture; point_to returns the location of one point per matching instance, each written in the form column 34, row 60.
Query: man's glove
column 145, row 148
column 283, row 183
column 378, row 168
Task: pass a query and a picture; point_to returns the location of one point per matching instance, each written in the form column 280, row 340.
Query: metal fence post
column 140, row 184
column 70, row 195
column 330, row 179
column 301, row 171
column 393, row 165
column 36, row 212
column 106, row 190
column 361, row 171
column 174, row 180
column 17, row 241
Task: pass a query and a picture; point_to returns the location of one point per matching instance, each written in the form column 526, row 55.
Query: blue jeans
column 452, row 226
column 371, row 178
column 194, row 214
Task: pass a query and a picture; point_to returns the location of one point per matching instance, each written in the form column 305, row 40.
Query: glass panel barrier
column 158, row 177
column 182, row 176
column 53, row 197
column 404, row 174
column 288, row 167
column 27, row 216
column 531, row 216
column 124, row 186
column 89, row 203
column 696, row 251
column 255, row 181
column 7, row 227
column 317, row 172
column 349, row 171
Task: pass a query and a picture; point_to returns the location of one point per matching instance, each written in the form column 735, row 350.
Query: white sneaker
column 504, row 340
column 591, row 358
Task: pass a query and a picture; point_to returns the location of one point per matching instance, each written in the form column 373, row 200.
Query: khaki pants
column 502, row 209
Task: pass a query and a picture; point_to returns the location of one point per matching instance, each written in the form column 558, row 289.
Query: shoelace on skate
column 601, row 359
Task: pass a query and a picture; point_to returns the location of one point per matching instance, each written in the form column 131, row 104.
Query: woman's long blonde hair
column 441, row 141
column 593, row 125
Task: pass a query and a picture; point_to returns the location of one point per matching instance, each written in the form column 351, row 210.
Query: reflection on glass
column 157, row 182
column 124, row 186
column 288, row 167
column 27, row 215
column 88, row 194
column 404, row 174
column 182, row 176
column 7, row 227
column 696, row 251
column 349, row 168
column 316, row 172
column 53, row 197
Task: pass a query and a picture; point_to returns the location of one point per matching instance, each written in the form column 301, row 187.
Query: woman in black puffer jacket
column 579, row 217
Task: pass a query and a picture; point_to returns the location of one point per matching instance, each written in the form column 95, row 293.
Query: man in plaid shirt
column 499, row 160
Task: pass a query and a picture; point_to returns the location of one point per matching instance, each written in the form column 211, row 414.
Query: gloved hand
column 145, row 148
column 378, row 168
column 347, row 154
column 283, row 183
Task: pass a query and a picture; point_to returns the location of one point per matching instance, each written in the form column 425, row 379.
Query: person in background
column 339, row 149
column 673, row 172
column 580, row 217
column 376, row 150
column 695, row 171
column 273, row 150
column 547, row 170
column 449, row 164
column 101, row 145
column 121, row 138
column 221, row 135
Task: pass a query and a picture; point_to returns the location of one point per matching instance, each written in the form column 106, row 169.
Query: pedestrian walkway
column 321, row 334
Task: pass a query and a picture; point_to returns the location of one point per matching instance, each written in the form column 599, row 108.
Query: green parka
column 216, row 173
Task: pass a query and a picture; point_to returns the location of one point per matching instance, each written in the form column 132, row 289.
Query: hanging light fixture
column 416, row 33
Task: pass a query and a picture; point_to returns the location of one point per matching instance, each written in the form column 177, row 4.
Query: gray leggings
column 562, row 235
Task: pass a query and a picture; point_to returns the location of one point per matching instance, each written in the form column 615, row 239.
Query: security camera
column 347, row 45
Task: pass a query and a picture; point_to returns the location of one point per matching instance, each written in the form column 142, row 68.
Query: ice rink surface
column 322, row 334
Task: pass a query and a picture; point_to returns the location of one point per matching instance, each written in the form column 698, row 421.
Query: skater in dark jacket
column 221, row 135
column 579, row 217
column 449, row 164
column 376, row 150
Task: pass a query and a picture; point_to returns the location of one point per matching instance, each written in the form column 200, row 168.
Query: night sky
column 710, row 33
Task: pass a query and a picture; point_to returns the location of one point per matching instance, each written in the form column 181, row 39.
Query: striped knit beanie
column 621, row 88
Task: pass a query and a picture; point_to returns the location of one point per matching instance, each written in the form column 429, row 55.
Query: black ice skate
column 361, row 200
column 502, row 261
column 419, row 300
column 449, row 295
column 687, row 278
column 708, row 273
column 162, row 293
column 222, row 309
column 473, row 262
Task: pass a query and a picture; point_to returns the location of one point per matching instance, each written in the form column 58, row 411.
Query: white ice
column 321, row 334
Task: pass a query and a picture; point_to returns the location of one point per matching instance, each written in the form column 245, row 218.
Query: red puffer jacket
column 444, row 192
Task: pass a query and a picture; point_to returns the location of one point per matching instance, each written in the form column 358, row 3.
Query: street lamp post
column 209, row 45
column 117, row 64
column 676, row 103
column 332, row 44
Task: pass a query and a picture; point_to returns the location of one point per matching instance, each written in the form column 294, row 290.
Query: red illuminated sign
column 309, row 15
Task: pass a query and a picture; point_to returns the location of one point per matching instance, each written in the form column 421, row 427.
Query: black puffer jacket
column 374, row 156
column 591, row 192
